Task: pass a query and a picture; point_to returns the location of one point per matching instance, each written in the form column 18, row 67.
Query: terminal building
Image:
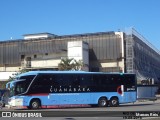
column 126, row 52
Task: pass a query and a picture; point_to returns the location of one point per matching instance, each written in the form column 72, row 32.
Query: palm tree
column 78, row 64
column 70, row 64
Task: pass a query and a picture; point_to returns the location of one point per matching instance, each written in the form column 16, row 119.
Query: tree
column 70, row 64
column 78, row 65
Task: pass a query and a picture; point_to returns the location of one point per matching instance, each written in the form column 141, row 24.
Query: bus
column 42, row 89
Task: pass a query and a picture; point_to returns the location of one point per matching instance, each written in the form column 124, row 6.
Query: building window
column 22, row 57
column 35, row 56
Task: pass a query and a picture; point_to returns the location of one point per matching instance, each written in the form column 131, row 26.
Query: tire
column 102, row 102
column 114, row 102
column 35, row 104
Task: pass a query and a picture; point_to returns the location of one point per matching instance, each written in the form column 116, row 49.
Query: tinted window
column 129, row 80
column 96, row 80
column 63, row 79
column 116, row 79
column 42, row 83
column 29, row 77
column 76, row 80
column 85, row 79
column 105, row 79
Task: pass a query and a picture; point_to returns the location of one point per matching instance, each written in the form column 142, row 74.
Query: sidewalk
column 145, row 101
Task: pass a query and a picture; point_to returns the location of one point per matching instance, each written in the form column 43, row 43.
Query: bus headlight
column 16, row 102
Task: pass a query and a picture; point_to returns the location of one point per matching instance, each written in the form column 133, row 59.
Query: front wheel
column 35, row 104
column 114, row 102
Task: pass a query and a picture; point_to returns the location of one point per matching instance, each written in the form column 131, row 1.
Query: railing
column 131, row 31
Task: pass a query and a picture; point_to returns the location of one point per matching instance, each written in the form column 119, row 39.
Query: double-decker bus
column 39, row 89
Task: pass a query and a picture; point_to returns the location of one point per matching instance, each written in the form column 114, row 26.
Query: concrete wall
column 45, row 63
column 10, row 69
column 119, row 63
column 113, row 64
column 79, row 51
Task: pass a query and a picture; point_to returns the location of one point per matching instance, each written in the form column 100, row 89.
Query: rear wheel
column 102, row 102
column 114, row 102
column 35, row 104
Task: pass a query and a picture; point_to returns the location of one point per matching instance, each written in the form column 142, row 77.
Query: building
column 103, row 51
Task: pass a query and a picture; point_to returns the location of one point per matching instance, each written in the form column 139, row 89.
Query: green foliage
column 78, row 65
column 3, row 84
column 70, row 64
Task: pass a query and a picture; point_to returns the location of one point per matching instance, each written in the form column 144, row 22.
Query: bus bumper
column 14, row 102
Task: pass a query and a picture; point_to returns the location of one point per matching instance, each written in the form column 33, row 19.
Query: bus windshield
column 20, row 86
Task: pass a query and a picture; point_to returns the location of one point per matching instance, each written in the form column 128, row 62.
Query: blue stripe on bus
column 78, row 98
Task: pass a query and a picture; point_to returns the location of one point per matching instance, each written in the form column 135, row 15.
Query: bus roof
column 65, row 72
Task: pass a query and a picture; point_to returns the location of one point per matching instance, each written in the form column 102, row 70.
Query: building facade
column 105, row 51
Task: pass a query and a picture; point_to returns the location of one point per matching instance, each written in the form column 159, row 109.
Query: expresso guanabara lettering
column 63, row 89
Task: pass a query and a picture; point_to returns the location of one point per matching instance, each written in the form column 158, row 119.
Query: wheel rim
column 103, row 102
column 114, row 102
column 35, row 105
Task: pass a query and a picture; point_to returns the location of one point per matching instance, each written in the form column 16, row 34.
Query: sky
column 66, row 17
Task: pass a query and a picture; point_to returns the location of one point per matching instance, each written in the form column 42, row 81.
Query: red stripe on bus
column 39, row 94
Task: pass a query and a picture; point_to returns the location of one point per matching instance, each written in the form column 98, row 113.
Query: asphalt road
column 149, row 109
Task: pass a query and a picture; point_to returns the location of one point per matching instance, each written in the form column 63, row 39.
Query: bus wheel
column 102, row 102
column 114, row 102
column 35, row 104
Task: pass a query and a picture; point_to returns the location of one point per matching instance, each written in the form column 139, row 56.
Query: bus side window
column 29, row 77
column 42, row 83
column 96, row 80
column 68, row 78
column 55, row 81
column 82, row 80
column 104, row 80
column 130, row 80
column 63, row 79
column 85, row 80
column 58, row 78
column 116, row 79
column 75, row 80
